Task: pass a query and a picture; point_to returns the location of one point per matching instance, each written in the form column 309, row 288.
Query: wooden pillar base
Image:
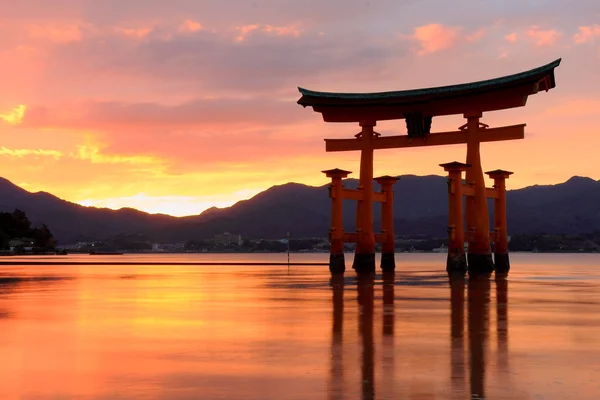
column 388, row 261
column 337, row 263
column 480, row 264
column 364, row 262
column 502, row 263
column 456, row 264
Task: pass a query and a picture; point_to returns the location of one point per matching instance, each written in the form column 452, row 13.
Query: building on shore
column 227, row 239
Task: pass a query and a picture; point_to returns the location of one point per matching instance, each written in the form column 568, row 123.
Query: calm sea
column 258, row 332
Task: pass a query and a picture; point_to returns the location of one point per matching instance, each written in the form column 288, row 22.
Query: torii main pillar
column 364, row 256
column 479, row 255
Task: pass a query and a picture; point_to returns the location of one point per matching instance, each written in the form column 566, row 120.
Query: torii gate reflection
column 478, row 328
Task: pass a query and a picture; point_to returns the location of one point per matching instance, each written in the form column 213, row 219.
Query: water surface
column 234, row 332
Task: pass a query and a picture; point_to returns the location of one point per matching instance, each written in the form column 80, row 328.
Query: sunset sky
column 175, row 106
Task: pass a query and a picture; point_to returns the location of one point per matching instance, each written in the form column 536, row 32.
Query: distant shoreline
column 261, row 252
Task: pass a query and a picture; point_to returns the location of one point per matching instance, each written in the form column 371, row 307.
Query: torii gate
column 417, row 108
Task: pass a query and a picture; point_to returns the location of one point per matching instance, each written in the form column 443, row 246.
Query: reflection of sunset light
column 14, row 116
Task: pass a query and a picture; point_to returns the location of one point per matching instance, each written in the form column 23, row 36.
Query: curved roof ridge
column 439, row 90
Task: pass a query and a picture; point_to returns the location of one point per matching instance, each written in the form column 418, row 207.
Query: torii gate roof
column 475, row 97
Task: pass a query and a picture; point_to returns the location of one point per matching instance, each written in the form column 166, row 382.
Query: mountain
column 69, row 221
column 420, row 206
column 571, row 207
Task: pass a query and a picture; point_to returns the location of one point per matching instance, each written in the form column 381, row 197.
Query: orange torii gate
column 417, row 108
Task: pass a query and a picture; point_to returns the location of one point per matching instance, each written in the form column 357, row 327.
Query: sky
column 174, row 106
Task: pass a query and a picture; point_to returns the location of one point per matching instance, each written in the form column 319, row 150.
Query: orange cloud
column 511, row 38
column 435, row 37
column 246, row 30
column 587, row 34
column 541, row 37
column 190, row 26
column 60, row 33
column 93, row 154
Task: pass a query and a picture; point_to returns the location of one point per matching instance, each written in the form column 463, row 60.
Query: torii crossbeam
column 417, row 108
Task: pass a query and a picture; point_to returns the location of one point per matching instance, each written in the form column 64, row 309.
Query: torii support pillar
column 457, row 261
column 501, row 243
column 337, row 263
column 388, row 262
column 479, row 255
column 364, row 256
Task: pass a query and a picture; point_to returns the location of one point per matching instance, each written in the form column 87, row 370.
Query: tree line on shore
column 15, row 227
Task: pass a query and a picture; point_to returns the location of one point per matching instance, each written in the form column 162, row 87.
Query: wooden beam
column 353, row 194
column 512, row 132
column 467, row 190
column 350, row 237
column 379, row 197
column 380, row 238
column 491, row 193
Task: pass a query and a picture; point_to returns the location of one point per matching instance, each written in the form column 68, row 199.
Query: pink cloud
column 435, row 37
column 56, row 32
column 135, row 32
column 291, row 30
column 109, row 115
column 587, row 34
column 190, row 26
column 246, row 30
column 541, row 37
column 476, row 36
column 272, row 61
column 503, row 54
column 511, row 38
